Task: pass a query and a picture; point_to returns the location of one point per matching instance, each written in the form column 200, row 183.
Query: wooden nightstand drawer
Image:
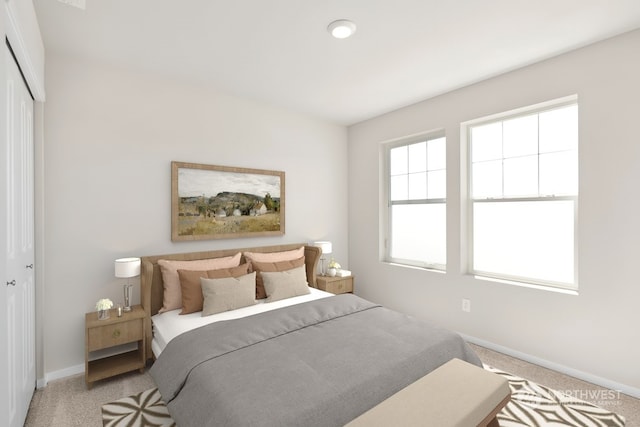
column 116, row 334
column 340, row 286
column 335, row 285
column 111, row 334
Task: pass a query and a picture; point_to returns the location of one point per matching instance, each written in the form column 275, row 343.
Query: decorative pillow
column 275, row 256
column 172, row 298
column 228, row 293
column 260, row 267
column 285, row 284
column 191, row 289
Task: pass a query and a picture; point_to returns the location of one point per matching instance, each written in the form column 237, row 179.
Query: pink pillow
column 172, row 298
column 275, row 256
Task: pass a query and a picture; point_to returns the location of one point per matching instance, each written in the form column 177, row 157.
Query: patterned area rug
column 535, row 405
column 145, row 409
column 531, row 405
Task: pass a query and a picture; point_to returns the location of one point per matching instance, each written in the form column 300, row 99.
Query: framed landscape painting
column 220, row 202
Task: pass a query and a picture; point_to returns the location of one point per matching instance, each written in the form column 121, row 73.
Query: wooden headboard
column 152, row 288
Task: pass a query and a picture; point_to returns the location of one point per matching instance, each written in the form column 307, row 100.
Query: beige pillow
column 191, row 290
column 228, row 293
column 285, row 284
column 172, row 298
column 275, row 256
column 260, row 267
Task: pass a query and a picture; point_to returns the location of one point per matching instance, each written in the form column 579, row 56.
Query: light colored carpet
column 67, row 402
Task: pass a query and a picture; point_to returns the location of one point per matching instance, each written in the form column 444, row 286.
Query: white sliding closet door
column 17, row 297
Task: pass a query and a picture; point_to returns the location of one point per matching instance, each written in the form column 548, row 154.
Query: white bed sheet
column 168, row 325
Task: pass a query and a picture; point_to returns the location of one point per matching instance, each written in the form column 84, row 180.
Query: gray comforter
column 320, row 363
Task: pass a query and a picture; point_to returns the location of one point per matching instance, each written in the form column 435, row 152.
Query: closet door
column 19, row 292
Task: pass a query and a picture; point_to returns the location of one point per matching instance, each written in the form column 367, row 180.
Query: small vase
column 331, row 272
column 103, row 314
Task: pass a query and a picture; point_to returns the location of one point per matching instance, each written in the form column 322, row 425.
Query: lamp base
column 127, row 298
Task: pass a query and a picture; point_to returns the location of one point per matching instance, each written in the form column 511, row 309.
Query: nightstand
column 335, row 285
column 112, row 332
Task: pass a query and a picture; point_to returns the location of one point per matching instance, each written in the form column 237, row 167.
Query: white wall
column 5, row 406
column 110, row 136
column 594, row 333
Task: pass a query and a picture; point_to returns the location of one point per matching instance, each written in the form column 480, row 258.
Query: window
column 523, row 193
column 416, row 196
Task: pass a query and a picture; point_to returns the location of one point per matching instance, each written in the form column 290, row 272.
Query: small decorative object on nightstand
column 333, row 268
column 335, row 285
column 115, row 331
column 103, row 306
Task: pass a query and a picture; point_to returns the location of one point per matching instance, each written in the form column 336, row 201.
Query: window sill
column 415, row 267
column 549, row 288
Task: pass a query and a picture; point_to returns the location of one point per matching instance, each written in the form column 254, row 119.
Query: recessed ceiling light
column 341, row 29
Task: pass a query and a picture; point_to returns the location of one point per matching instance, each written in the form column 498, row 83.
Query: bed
column 310, row 360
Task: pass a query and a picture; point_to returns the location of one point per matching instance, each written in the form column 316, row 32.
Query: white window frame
column 387, row 204
column 465, row 133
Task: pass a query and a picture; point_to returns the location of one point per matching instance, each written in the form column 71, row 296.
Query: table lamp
column 326, row 248
column 127, row 268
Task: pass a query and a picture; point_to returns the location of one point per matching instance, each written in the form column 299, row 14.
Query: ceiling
column 279, row 52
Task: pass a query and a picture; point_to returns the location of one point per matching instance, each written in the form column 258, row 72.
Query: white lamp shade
column 324, row 246
column 127, row 267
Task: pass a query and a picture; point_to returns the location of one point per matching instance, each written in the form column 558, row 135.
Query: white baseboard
column 79, row 369
column 62, row 373
column 585, row 376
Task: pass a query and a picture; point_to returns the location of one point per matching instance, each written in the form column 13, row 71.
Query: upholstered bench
column 456, row 394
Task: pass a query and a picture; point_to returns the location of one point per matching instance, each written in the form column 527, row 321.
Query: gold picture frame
column 221, row 202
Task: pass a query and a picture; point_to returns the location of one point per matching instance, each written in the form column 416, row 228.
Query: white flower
column 334, row 264
column 104, row 304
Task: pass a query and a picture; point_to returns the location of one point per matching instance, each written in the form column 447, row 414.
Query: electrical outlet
column 466, row 305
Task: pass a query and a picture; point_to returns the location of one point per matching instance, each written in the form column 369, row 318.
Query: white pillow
column 285, row 284
column 228, row 293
